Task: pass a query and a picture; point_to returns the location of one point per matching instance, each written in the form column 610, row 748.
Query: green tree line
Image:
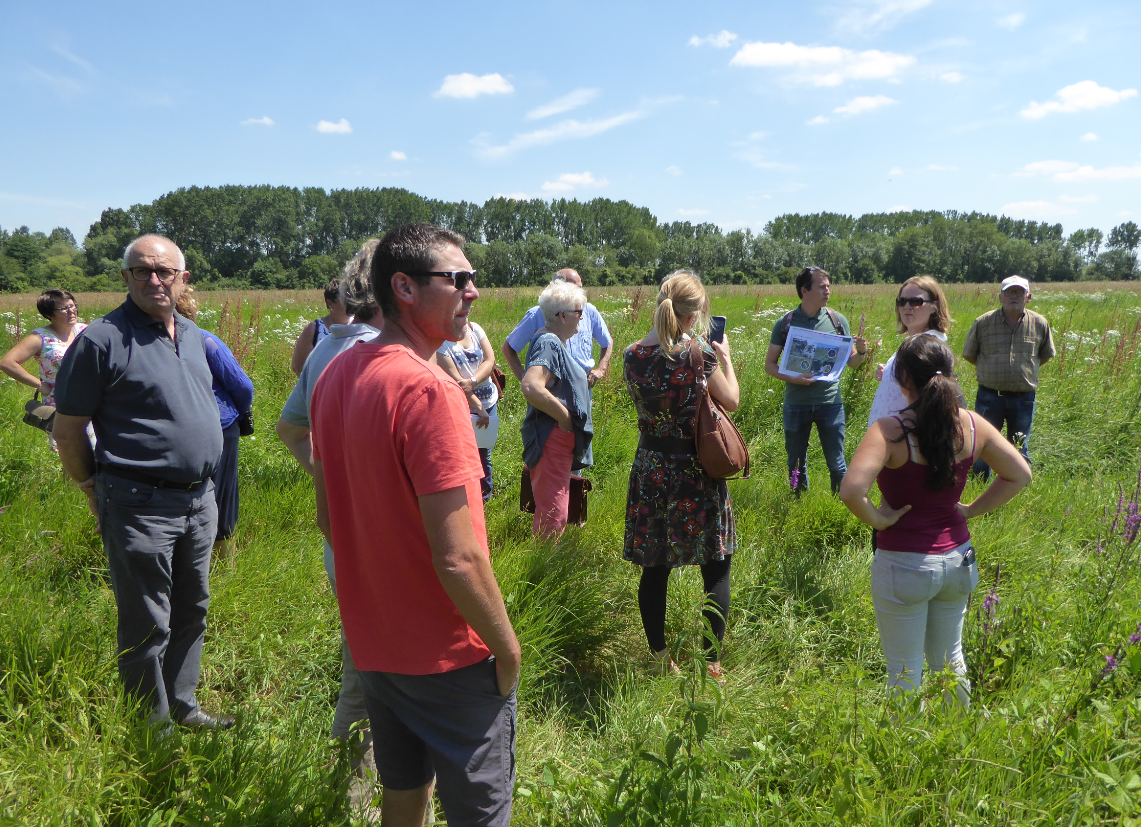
column 287, row 238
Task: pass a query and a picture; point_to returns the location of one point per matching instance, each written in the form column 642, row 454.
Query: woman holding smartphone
column 924, row 568
column 676, row 514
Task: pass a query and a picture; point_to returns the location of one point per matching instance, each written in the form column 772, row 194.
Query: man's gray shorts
column 454, row 725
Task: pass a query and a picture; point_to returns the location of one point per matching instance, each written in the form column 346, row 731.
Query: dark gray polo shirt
column 150, row 401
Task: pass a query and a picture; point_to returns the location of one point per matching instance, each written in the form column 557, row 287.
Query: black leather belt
column 1004, row 393
column 667, row 444
column 135, row 475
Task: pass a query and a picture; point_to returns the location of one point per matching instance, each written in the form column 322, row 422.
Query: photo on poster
column 823, row 355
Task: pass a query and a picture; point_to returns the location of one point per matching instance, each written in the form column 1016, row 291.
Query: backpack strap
column 785, row 325
column 834, row 317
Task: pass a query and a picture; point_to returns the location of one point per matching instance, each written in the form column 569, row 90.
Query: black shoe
column 201, row 719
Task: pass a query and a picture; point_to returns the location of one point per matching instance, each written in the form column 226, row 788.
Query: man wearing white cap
column 1007, row 346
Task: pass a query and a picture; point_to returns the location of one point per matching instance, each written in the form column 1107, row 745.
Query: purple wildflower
column 1132, row 523
column 794, row 477
column 990, row 609
column 1110, row 664
column 1136, row 636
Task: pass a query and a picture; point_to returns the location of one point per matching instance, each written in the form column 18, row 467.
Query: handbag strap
column 697, row 362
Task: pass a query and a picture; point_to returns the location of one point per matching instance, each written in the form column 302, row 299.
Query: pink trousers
column 550, row 483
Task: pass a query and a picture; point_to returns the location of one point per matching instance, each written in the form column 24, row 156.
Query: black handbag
column 39, row 415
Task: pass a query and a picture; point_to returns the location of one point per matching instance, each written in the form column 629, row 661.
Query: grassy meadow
column 800, row 732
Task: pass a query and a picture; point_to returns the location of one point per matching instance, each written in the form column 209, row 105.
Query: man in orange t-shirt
column 398, row 497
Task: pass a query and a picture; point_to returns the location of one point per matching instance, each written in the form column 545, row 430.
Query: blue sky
column 729, row 112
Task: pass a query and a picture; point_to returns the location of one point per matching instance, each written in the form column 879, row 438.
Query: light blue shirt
column 341, row 337
column 591, row 329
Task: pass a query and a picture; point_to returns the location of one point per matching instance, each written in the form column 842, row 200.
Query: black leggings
column 652, row 603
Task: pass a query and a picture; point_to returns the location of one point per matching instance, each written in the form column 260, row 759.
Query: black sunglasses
column 459, row 277
column 912, row 301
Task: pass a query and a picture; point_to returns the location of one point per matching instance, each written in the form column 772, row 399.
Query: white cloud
column 564, row 104
column 823, row 65
column 817, row 120
column 756, row 136
column 895, row 171
column 1084, row 95
column 864, row 103
column 62, row 85
column 1011, row 21
column 942, row 167
column 265, row 120
column 900, row 208
column 1089, row 136
column 1078, row 199
column 952, row 77
column 1069, row 172
column 340, row 127
column 673, row 169
column 1125, row 213
column 692, row 212
column 563, row 131
column 574, row 180
column 878, row 14
column 513, row 196
column 468, row 85
column 1036, row 210
column 397, row 155
column 61, row 49
column 722, row 40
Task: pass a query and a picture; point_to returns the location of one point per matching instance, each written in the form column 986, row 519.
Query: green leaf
column 701, row 724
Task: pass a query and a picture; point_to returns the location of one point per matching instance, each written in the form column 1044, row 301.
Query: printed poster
column 823, row 355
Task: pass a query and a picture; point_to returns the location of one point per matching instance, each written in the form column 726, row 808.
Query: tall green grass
column 800, row 733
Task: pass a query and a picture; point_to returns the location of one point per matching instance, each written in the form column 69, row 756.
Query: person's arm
column 1012, row 473
column 75, row 453
column 323, row 521
column 225, row 367
column 302, row 349
column 870, row 458
column 723, row 381
column 483, row 372
column 512, row 359
column 1046, row 351
column 600, row 370
column 466, row 576
column 298, row 439
column 535, row 391
column 971, row 345
column 772, row 368
column 448, row 366
column 13, row 362
column 859, row 352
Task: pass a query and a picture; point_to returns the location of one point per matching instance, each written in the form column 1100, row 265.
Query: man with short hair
column 1007, row 346
column 808, row 400
column 591, row 328
column 140, row 376
column 397, row 480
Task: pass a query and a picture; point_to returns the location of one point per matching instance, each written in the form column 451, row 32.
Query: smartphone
column 716, row 328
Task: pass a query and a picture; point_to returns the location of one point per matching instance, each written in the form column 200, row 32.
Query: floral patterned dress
column 676, row 514
column 51, row 355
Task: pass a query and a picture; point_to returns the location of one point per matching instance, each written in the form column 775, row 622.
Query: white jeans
column 921, row 601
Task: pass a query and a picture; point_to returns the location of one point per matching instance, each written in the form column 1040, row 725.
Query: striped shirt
column 1007, row 358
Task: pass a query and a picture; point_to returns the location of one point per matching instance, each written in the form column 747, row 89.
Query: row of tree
column 285, row 238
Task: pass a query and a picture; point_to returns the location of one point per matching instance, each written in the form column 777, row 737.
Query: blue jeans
column 829, row 419
column 158, row 544
column 485, row 462
column 1016, row 411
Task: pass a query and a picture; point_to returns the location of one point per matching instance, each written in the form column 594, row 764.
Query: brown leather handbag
column 499, row 379
column 576, row 508
column 39, row 415
column 721, row 449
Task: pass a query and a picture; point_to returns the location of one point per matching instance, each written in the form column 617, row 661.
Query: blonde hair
column 941, row 318
column 187, row 305
column 682, row 294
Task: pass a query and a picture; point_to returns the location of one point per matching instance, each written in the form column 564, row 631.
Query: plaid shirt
column 1007, row 359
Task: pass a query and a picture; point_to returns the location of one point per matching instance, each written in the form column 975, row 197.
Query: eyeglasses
column 564, row 312
column 912, row 301
column 67, row 308
column 459, row 277
column 165, row 274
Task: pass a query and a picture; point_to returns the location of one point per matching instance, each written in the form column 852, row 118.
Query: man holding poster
column 811, row 371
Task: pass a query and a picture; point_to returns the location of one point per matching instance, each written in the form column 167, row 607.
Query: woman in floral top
column 46, row 344
column 676, row 514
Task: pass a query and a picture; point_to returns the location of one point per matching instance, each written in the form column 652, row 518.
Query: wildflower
column 794, row 477
column 1135, row 638
column 990, row 610
column 1110, row 664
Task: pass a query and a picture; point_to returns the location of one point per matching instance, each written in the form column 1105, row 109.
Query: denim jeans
column 829, row 419
column 485, row 462
column 1017, row 412
column 920, row 602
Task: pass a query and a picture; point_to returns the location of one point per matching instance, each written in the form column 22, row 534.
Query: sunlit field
column 800, row 732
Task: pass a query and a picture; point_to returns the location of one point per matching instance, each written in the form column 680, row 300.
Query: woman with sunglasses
column 920, row 309
column 924, row 568
column 557, row 430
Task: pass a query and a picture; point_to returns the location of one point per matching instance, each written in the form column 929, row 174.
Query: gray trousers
column 350, row 703
column 158, row 545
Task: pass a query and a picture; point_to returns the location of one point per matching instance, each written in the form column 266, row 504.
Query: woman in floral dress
column 676, row 514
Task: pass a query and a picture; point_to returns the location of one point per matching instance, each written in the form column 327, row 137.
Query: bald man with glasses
column 139, row 375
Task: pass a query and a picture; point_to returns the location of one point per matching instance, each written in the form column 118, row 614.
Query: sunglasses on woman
column 912, row 301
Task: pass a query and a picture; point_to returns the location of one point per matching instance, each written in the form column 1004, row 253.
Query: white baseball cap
column 1015, row 281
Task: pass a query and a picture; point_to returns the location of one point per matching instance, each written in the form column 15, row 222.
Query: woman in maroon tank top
column 924, row 568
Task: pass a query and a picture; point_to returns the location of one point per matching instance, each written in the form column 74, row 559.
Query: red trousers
column 550, row 483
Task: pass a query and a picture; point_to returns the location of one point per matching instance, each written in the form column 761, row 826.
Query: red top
column 933, row 525
column 389, row 427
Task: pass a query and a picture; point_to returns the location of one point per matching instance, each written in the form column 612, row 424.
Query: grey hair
column 131, row 248
column 560, row 296
column 356, row 283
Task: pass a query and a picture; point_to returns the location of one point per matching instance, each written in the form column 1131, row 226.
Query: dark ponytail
column 927, row 365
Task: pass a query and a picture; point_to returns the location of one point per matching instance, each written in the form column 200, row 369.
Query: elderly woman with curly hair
column 557, row 428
